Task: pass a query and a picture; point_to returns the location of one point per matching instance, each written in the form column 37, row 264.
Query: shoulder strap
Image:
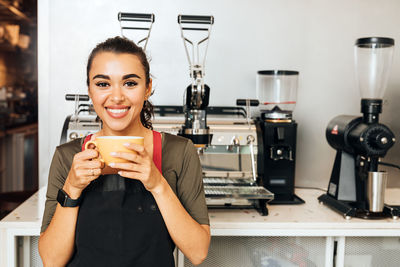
column 87, row 139
column 157, row 150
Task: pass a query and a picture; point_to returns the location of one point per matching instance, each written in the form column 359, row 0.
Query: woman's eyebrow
column 101, row 76
column 132, row 75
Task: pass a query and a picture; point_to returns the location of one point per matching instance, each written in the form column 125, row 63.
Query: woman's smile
column 117, row 111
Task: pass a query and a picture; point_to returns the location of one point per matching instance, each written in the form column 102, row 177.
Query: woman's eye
column 102, row 84
column 130, row 83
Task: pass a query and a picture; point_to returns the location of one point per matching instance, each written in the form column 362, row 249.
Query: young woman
column 132, row 214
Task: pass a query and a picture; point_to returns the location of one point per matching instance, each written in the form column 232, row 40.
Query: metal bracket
column 132, row 19
column 197, row 23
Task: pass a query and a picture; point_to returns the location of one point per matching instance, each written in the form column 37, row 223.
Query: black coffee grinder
column 357, row 187
column 277, row 94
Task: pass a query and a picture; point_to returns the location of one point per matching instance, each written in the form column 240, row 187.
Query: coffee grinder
column 277, row 94
column 356, row 187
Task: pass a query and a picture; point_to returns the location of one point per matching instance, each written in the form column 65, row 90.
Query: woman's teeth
column 117, row 111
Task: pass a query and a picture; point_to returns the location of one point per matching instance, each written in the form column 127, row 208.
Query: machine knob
column 383, row 140
column 281, row 152
column 235, row 141
column 250, row 139
column 73, row 135
column 378, row 139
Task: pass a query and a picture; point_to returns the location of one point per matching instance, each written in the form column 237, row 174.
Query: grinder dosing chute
column 356, row 187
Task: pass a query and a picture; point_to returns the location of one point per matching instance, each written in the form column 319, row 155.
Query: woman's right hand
column 85, row 168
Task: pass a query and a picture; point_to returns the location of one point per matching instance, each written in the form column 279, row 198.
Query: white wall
column 315, row 37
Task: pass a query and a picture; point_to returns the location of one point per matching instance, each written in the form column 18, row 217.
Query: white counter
column 25, row 220
column 309, row 219
column 28, row 214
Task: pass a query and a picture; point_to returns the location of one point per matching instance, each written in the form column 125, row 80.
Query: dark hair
column 121, row 45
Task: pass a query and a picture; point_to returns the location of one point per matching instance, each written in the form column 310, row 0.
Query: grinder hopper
column 277, row 93
column 373, row 59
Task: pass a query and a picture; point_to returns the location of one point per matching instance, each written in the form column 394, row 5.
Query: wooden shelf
column 9, row 13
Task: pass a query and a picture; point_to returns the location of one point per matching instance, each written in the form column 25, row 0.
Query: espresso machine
column 357, row 187
column 277, row 95
column 197, row 94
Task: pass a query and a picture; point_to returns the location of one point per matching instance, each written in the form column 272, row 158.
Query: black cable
column 389, row 164
column 309, row 187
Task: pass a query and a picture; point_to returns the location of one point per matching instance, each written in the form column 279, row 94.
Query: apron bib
column 119, row 223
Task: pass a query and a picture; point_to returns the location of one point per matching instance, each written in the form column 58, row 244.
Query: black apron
column 119, row 224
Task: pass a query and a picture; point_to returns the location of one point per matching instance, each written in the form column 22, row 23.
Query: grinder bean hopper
column 356, row 187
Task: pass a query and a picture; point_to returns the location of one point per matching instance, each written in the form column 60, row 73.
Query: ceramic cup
column 108, row 144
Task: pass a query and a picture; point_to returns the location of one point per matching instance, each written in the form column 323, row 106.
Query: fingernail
column 112, row 164
column 113, row 153
column 120, row 173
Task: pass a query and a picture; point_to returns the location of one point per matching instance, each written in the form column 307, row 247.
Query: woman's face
column 117, row 87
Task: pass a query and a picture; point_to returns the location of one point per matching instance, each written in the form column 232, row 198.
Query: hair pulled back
column 121, row 45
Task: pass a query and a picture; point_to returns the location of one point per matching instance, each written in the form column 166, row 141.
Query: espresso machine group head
column 197, row 94
column 356, row 187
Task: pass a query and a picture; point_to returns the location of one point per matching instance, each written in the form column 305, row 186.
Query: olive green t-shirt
column 180, row 166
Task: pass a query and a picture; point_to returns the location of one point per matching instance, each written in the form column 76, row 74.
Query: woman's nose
column 117, row 94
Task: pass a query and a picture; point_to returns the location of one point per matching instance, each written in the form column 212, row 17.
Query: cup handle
column 90, row 143
column 93, row 143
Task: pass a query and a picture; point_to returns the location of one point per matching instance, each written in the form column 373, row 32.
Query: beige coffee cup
column 108, row 144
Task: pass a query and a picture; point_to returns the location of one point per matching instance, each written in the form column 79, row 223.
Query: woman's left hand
column 140, row 166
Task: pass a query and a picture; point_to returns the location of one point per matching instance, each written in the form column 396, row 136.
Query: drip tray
column 248, row 192
column 218, row 181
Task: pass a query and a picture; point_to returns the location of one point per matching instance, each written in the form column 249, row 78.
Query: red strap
column 157, row 150
column 87, row 139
